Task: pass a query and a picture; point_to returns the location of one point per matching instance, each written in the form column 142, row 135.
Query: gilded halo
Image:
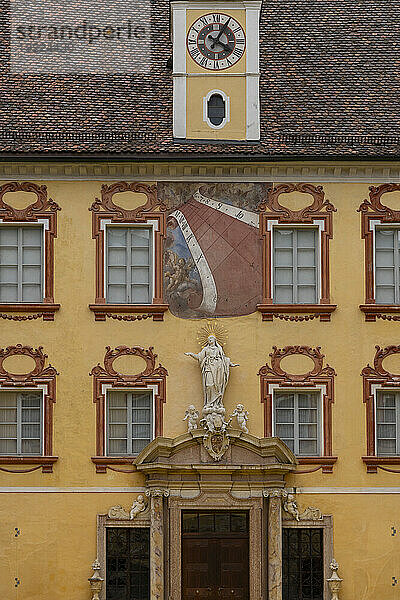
column 212, row 328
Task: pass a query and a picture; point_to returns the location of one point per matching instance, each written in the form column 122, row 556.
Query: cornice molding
column 235, row 170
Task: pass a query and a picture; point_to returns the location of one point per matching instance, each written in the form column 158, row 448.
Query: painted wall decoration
column 213, row 250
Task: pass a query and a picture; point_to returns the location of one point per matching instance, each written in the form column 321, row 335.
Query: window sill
column 104, row 462
column 46, row 462
column 285, row 311
column 42, row 309
column 325, row 462
column 380, row 311
column 373, row 463
column 101, row 311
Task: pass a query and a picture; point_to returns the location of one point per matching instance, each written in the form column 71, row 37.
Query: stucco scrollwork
column 375, row 205
column 314, row 354
column 304, row 215
column 39, row 369
column 106, row 201
column 33, row 210
column 377, row 370
column 112, row 354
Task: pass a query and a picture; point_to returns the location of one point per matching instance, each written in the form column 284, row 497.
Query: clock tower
column 216, row 69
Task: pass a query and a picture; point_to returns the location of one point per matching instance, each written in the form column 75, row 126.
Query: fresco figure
column 214, row 367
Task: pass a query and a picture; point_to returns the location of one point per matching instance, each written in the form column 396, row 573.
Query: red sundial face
column 216, row 41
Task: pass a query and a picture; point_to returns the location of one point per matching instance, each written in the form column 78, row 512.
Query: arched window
column 216, row 109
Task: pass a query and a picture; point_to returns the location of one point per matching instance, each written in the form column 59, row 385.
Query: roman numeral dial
column 216, row 41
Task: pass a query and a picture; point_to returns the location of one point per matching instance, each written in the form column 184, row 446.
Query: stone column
column 274, row 543
column 157, row 543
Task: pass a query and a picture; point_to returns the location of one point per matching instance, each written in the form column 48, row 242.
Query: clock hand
column 221, row 31
column 225, row 46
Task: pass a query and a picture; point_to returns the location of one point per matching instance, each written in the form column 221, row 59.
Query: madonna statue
column 214, row 367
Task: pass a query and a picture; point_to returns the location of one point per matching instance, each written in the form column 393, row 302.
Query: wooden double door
column 215, row 555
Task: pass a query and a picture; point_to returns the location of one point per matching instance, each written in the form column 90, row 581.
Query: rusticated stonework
column 272, row 211
column 273, row 375
column 43, row 208
column 152, row 211
column 152, row 375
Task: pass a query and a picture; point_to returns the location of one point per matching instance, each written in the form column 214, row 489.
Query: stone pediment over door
column 183, row 465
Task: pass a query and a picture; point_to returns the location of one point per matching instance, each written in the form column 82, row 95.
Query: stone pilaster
column 157, row 542
column 274, row 543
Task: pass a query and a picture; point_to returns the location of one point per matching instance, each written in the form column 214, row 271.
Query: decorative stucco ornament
column 214, row 366
column 290, row 507
column 212, row 328
column 311, row 514
column 96, row 582
column 291, row 510
column 191, row 416
column 242, row 416
column 117, row 512
column 334, row 581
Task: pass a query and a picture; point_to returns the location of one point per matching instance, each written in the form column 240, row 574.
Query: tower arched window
column 216, row 109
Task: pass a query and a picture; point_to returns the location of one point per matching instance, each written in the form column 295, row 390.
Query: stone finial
column 334, row 581
column 96, row 581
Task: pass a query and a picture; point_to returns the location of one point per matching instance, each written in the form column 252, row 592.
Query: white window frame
column 39, row 391
column 376, row 389
column 227, row 109
column 318, row 390
column 148, row 225
column 377, row 225
column 43, row 224
column 316, row 226
column 149, row 389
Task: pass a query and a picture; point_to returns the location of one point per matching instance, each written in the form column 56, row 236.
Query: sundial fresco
column 213, row 249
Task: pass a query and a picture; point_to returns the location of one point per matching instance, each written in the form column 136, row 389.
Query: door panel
column 215, row 567
column 198, row 571
column 234, row 568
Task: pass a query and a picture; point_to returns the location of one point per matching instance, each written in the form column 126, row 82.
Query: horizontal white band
column 347, row 490
column 79, row 490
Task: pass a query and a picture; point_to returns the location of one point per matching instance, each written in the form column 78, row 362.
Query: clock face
column 216, row 41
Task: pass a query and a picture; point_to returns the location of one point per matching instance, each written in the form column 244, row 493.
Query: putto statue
column 242, row 416
column 191, row 416
column 214, row 367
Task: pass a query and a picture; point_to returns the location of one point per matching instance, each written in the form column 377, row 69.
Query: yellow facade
column 57, row 542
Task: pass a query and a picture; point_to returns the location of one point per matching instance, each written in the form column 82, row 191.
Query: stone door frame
column 218, row 501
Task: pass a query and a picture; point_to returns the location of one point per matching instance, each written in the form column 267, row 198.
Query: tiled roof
column 330, row 73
